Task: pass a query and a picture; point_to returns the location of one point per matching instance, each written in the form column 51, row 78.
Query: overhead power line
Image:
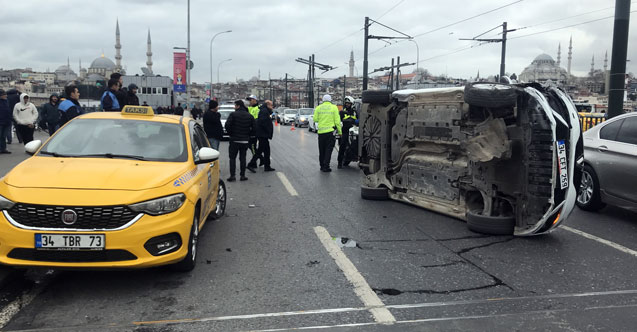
column 390, row 9
column 566, row 27
column 469, row 18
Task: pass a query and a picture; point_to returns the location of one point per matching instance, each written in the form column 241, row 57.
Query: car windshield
column 290, row 111
column 306, row 111
column 225, row 114
column 117, row 138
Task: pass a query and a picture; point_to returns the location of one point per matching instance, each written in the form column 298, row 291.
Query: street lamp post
column 211, row 40
column 417, row 60
column 219, row 65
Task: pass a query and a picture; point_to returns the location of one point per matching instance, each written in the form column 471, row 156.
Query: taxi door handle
column 602, row 148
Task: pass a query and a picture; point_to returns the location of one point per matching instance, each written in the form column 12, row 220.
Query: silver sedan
column 610, row 165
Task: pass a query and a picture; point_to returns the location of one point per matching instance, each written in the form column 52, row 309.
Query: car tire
column 490, row 95
column 478, row 223
column 382, row 97
column 375, row 194
column 188, row 263
column 591, row 199
column 220, row 206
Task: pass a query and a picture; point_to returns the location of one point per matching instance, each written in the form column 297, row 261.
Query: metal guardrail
column 590, row 120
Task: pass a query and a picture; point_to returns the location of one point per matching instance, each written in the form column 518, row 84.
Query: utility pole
column 344, row 87
column 390, row 79
column 311, row 74
column 286, row 90
column 617, row 85
column 366, row 48
column 188, row 61
column 398, row 73
column 502, row 40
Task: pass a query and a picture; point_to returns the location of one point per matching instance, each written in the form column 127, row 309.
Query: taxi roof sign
column 137, row 110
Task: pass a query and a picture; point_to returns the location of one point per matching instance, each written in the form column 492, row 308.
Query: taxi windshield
column 120, row 139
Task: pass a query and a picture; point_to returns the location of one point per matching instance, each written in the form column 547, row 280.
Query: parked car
column 610, row 164
column 224, row 111
column 302, row 117
column 502, row 157
column 288, row 116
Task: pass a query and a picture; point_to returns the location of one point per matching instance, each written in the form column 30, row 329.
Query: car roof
column 166, row 118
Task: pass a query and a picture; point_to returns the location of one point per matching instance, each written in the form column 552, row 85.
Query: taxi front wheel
column 220, row 206
column 189, row 262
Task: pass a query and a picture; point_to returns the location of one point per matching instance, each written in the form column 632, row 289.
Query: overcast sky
column 269, row 35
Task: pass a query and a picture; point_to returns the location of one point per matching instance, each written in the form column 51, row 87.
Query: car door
column 203, row 177
column 624, row 152
column 606, row 154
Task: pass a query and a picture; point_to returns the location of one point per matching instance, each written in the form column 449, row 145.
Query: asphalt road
column 271, row 265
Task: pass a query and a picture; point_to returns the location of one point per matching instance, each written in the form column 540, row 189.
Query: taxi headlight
column 5, row 204
column 159, row 206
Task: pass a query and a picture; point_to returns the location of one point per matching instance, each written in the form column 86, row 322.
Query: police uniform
column 348, row 117
column 327, row 120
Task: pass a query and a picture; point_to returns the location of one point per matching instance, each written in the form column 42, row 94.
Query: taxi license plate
column 69, row 241
column 561, row 157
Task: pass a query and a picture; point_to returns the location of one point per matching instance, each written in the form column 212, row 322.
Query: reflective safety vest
column 254, row 111
column 113, row 98
column 347, row 116
column 327, row 118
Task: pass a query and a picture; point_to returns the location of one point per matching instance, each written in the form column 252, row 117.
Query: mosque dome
column 542, row 69
column 64, row 69
column 103, row 63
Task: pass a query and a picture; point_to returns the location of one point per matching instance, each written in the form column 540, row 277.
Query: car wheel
column 189, row 262
column 490, row 225
column 588, row 196
column 375, row 194
column 382, row 97
column 220, row 206
column 491, row 95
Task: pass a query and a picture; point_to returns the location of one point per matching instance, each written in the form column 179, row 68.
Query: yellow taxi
column 112, row 190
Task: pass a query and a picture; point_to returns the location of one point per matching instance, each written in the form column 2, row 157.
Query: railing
column 590, row 120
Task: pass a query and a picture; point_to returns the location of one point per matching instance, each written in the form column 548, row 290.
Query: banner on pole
column 179, row 72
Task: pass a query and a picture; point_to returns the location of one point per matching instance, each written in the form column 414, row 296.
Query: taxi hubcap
column 221, row 201
column 195, row 234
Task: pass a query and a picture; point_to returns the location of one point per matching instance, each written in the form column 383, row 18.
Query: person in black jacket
column 51, row 114
column 131, row 95
column 264, row 135
column 13, row 96
column 240, row 125
column 70, row 107
column 212, row 124
column 6, row 115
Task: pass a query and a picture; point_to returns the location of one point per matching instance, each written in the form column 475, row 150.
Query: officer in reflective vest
column 253, row 109
column 327, row 121
column 348, row 117
column 109, row 100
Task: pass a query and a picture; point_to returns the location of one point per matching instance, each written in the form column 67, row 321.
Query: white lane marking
column 287, row 184
column 600, row 240
column 23, row 300
column 361, row 288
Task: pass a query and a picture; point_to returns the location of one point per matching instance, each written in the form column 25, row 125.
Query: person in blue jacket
column 70, row 107
column 109, row 98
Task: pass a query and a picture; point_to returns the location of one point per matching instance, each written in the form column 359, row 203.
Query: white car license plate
column 69, row 241
column 561, row 157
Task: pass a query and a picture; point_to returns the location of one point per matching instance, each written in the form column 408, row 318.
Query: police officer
column 348, row 118
column 327, row 121
column 109, row 100
column 253, row 109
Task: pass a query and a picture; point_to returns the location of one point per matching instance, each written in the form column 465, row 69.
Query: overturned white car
column 502, row 157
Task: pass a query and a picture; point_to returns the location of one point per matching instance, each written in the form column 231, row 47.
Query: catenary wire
column 565, row 27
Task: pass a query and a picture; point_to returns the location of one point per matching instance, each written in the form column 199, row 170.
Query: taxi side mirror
column 33, row 147
column 207, row 155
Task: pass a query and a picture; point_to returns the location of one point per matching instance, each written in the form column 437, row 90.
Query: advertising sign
column 179, row 72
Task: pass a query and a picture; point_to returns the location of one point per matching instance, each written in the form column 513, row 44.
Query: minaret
column 570, row 55
column 149, row 54
column 605, row 62
column 68, row 62
column 559, row 54
column 592, row 66
column 118, row 48
column 351, row 64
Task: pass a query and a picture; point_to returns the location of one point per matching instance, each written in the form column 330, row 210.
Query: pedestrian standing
column 212, row 124
column 109, row 100
column 240, row 125
column 51, row 114
column 264, row 135
column 70, row 107
column 13, row 96
column 179, row 110
column 120, row 93
column 131, row 95
column 328, row 122
column 348, row 118
column 25, row 115
column 253, row 108
column 5, row 121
